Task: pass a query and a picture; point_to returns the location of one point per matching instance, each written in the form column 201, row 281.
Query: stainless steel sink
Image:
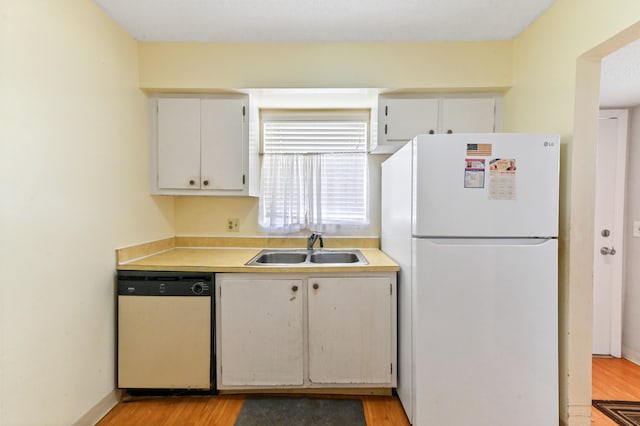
column 293, row 257
column 281, row 257
column 334, row 257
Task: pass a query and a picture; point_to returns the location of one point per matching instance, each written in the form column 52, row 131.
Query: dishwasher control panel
column 157, row 283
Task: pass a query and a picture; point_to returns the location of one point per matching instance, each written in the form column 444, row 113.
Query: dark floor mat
column 625, row 413
column 279, row 411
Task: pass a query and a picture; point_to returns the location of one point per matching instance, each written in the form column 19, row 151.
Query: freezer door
column 486, row 185
column 486, row 332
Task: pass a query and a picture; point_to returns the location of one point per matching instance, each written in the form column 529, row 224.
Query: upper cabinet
column 401, row 117
column 200, row 145
column 468, row 115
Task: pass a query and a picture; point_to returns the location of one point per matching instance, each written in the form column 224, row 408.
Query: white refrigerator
column 472, row 220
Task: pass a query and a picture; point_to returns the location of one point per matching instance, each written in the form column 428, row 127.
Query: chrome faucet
column 312, row 239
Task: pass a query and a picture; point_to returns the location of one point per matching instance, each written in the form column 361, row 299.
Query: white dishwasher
column 164, row 330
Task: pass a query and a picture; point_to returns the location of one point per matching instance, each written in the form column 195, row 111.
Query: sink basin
column 300, row 257
column 281, row 257
column 334, row 257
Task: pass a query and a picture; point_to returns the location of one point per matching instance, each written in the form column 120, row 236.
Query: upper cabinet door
column 402, row 119
column 468, row 115
column 178, row 143
column 222, row 138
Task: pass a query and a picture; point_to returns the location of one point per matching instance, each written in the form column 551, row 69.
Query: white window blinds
column 314, row 173
column 302, row 137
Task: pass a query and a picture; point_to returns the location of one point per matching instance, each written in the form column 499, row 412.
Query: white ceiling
column 292, row 21
column 620, row 77
column 323, row 20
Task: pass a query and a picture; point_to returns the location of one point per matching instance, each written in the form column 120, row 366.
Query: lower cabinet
column 260, row 331
column 350, row 330
column 306, row 331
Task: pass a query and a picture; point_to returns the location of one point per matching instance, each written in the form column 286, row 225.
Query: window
column 314, row 171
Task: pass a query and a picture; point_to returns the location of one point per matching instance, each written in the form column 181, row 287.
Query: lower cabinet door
column 350, row 330
column 261, row 332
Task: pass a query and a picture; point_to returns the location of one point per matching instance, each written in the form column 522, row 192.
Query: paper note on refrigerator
column 502, row 179
column 474, row 173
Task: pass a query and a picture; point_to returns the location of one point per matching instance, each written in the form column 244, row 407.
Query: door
column 486, row 331
column 261, row 337
column 608, row 220
column 403, row 119
column 487, row 185
column 164, row 342
column 468, row 115
column 178, row 143
column 350, row 330
column 222, row 147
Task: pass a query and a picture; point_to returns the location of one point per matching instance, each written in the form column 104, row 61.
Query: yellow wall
column 554, row 91
column 73, row 187
column 195, row 66
column 206, row 216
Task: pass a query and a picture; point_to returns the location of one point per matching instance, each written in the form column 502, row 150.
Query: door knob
column 607, row 251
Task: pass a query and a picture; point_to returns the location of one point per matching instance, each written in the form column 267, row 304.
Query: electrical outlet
column 636, row 228
column 233, row 225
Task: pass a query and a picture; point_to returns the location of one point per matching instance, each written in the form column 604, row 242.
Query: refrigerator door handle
column 488, row 241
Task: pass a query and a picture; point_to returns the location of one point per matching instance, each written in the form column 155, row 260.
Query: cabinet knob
column 449, row 131
column 315, row 286
column 192, row 182
column 205, row 182
column 294, row 288
column 431, row 132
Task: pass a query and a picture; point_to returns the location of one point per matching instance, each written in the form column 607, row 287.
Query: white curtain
column 318, row 192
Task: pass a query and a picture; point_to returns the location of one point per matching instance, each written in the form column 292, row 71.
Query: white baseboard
column 99, row 410
column 631, row 354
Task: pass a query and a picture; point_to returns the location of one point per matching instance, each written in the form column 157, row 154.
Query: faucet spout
column 312, row 240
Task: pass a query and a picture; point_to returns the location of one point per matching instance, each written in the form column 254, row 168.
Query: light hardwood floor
column 614, row 379
column 223, row 411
